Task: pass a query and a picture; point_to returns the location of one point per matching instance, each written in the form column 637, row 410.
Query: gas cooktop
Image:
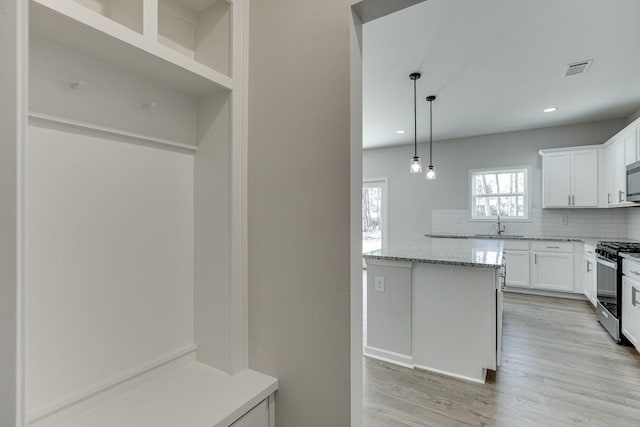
column 611, row 250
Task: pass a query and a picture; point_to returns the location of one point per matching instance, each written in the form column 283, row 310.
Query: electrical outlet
column 379, row 283
column 458, row 219
column 565, row 220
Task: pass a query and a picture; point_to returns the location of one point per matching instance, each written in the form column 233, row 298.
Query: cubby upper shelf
column 77, row 27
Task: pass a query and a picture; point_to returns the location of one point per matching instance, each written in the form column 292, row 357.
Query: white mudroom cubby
column 199, row 29
column 134, row 170
column 125, row 12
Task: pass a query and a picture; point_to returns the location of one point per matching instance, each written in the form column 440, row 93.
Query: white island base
column 442, row 318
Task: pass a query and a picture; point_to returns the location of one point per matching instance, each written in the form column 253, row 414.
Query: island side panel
column 389, row 312
column 454, row 320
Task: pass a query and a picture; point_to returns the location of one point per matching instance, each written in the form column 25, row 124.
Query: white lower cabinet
column 542, row 265
column 631, row 308
column 589, row 276
column 257, row 417
column 552, row 271
column 517, row 268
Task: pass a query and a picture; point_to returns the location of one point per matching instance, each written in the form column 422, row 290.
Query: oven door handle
column 607, row 263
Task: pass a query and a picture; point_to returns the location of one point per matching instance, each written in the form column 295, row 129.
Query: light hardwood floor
column 559, row 368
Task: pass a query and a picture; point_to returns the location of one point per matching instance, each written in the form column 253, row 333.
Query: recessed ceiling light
column 401, row 131
column 550, row 109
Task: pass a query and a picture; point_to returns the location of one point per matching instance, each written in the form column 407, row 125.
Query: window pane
column 498, row 183
column 502, row 192
column 486, row 206
column 485, row 184
column 509, row 206
column 521, row 182
column 520, row 206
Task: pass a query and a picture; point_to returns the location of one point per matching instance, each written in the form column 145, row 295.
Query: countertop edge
column 524, row 238
column 433, row 261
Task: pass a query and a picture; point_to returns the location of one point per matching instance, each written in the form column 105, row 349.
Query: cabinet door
column 630, row 148
column 631, row 312
column 552, row 271
column 620, row 173
column 257, row 417
column 517, row 268
column 610, row 173
column 636, row 133
column 556, row 178
column 589, row 279
column 584, row 178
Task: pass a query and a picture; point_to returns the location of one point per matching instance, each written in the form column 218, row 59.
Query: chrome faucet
column 501, row 228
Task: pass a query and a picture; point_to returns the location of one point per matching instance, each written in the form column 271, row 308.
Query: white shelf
column 78, row 28
column 36, row 118
column 191, row 396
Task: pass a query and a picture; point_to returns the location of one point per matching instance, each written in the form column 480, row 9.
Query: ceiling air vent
column 578, row 67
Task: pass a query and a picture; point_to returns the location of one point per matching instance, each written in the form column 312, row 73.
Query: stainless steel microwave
column 633, row 182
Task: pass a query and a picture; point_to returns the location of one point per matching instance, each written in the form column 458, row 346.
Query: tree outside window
column 504, row 192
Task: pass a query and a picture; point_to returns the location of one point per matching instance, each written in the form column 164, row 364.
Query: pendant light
column 415, row 166
column 431, row 173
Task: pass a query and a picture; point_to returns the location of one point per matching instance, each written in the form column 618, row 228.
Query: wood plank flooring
column 559, row 368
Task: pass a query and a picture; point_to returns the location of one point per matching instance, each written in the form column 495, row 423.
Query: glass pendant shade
column 416, row 167
column 431, row 173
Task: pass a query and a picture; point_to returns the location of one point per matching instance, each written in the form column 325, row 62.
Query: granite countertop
column 633, row 256
column 485, row 253
column 589, row 240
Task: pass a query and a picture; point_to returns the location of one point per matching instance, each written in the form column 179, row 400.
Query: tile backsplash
column 605, row 223
column 634, row 223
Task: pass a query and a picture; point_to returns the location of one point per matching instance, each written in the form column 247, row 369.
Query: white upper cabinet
column 570, row 178
column 584, row 178
column 617, row 175
column 590, row 176
column 630, row 147
column 556, row 180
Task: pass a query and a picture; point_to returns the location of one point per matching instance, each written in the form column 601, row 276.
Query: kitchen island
column 436, row 304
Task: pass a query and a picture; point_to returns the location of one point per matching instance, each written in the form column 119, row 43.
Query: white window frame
column 527, row 194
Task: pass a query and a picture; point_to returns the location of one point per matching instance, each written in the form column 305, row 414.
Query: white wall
column 110, row 260
column 412, row 198
column 298, row 166
column 13, row 22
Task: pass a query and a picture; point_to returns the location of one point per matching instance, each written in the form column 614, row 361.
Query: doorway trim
column 360, row 12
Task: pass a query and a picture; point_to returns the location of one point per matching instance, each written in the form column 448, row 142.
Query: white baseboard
column 458, row 376
column 389, row 356
column 542, row 293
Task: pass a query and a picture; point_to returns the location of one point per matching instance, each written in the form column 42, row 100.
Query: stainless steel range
column 609, row 283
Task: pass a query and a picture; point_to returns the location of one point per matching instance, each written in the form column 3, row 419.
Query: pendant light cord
column 431, row 133
column 415, row 120
column 431, row 98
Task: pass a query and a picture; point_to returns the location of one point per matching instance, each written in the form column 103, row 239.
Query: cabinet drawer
column 552, row 246
column 589, row 250
column 257, row 417
column 631, row 270
column 516, row 245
